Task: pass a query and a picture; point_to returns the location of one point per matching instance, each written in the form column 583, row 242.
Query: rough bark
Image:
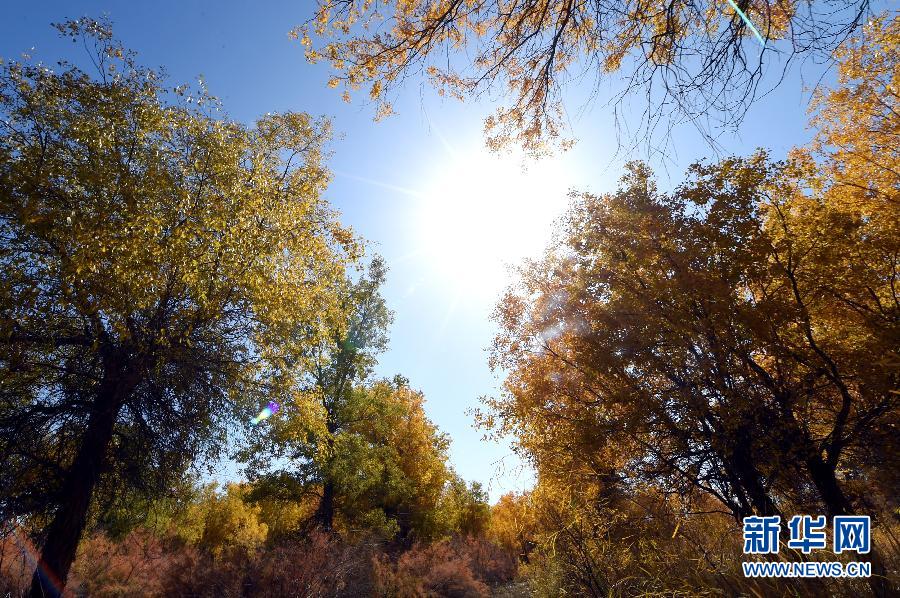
column 68, row 523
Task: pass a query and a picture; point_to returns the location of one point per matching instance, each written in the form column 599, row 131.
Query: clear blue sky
column 405, row 184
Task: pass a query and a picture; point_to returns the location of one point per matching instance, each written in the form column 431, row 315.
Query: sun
column 482, row 213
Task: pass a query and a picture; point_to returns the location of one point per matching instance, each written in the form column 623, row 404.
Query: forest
column 678, row 361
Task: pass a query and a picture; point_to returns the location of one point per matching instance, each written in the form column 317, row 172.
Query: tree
column 382, row 470
column 734, row 338
column 717, row 339
column 856, row 147
column 346, row 358
column 405, row 462
column 693, row 340
column 231, row 522
column 857, row 122
column 465, row 507
column 363, row 449
column 691, row 58
column 154, row 261
column 513, row 524
column 326, row 400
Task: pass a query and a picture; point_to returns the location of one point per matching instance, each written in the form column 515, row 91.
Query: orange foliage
column 428, row 571
column 463, row 567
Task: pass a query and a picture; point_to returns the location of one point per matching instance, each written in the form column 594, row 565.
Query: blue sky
column 418, row 186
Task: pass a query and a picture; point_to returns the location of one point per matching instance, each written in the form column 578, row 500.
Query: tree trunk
column 836, row 503
column 325, row 511
column 68, row 523
column 749, row 476
column 324, row 515
column 826, row 483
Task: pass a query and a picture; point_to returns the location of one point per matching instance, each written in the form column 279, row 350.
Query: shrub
column 198, row 574
column 490, row 563
column 134, row 566
column 318, row 565
column 436, row 570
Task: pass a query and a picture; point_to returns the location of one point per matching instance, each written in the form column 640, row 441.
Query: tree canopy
column 691, row 59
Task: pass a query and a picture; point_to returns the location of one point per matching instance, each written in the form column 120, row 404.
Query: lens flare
column 747, row 20
column 268, row 411
column 29, row 553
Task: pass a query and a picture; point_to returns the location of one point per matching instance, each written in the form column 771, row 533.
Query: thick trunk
column 404, row 525
column 836, row 503
column 324, row 516
column 325, row 511
column 821, row 472
column 68, row 523
column 750, row 478
column 826, row 483
column 756, row 492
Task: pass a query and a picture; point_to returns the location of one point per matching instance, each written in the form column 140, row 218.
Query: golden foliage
column 728, row 347
column 155, row 261
column 532, row 50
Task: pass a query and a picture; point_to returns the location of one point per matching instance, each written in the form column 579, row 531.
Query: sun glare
column 484, row 212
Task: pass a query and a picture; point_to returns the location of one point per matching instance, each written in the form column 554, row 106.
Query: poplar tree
column 154, row 259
